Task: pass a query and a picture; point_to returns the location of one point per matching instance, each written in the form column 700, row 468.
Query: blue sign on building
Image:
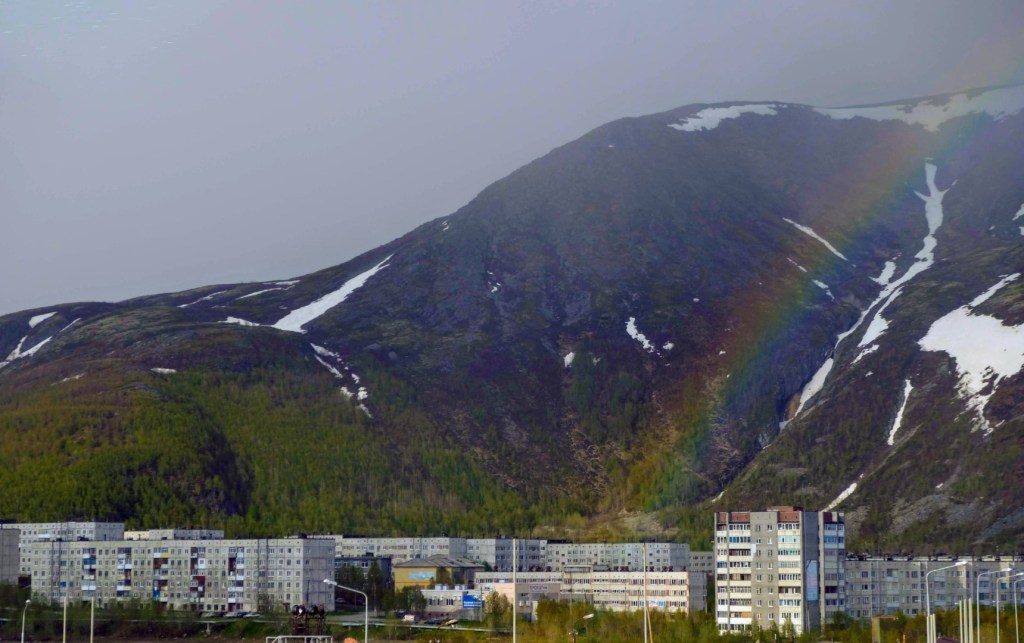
column 471, row 602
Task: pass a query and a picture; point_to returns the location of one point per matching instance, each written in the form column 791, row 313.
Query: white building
column 205, row 575
column 610, row 590
column 777, row 567
column 399, row 549
column 9, row 555
column 664, row 557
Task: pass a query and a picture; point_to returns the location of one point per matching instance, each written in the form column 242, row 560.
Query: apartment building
column 9, row 539
column 175, row 534
column 618, row 591
column 702, row 561
column 879, row 585
column 37, row 531
column 205, row 575
column 777, row 567
column 530, row 553
column 399, row 549
column 625, row 557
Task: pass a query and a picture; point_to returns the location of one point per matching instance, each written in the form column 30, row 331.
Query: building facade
column 204, row 575
column 9, row 557
column 399, row 549
column 619, row 591
column 880, row 585
column 175, row 534
column 779, row 567
column 497, row 553
column 41, row 531
column 624, row 557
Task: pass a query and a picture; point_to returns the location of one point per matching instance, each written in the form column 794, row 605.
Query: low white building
column 609, row 590
column 205, row 575
column 175, row 534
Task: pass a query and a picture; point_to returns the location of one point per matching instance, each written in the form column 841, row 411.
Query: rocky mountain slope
column 749, row 303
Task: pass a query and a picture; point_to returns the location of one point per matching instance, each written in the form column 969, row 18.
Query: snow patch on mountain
column 1020, row 213
column 815, row 384
column 568, row 359
column 73, row 322
column 802, row 269
column 925, row 257
column 295, row 320
column 842, row 496
column 258, row 292
column 907, row 388
column 239, row 321
column 38, row 319
column 710, row 117
column 824, row 287
column 884, row 277
column 811, row 233
column 206, row 298
column 997, row 103
column 982, row 365
column 164, row 371
column 638, row 336
column 17, row 353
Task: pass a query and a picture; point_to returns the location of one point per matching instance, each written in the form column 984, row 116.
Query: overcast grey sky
column 155, row 146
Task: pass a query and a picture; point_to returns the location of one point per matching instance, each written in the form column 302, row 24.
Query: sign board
column 471, row 602
column 812, row 581
column 421, row 575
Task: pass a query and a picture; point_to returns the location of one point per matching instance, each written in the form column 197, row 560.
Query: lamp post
column 25, row 609
column 998, row 613
column 574, row 623
column 928, row 599
column 978, row 593
column 366, row 617
column 1016, row 602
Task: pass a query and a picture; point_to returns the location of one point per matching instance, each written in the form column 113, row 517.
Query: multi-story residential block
column 36, row 531
column 365, row 563
column 497, row 553
column 879, row 585
column 662, row 557
column 175, row 534
column 9, row 558
column 702, row 561
column 611, row 590
column 206, row 575
column 399, row 549
column 777, row 567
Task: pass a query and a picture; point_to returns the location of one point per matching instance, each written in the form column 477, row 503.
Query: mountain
column 719, row 306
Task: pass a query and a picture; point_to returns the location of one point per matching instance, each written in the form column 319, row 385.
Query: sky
column 161, row 145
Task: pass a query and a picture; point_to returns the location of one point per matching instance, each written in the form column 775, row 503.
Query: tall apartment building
column 783, row 565
column 399, row 549
column 662, row 557
column 878, row 585
column 9, row 567
column 497, row 553
column 610, row 590
column 702, row 561
column 36, row 531
column 206, row 575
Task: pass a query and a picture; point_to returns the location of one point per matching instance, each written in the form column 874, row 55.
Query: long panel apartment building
column 881, row 585
column 779, row 566
column 206, row 575
column 610, row 590
column 398, row 549
column 625, row 557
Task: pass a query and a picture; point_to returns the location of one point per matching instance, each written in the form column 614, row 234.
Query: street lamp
column 366, row 618
column 998, row 612
column 27, row 603
column 978, row 593
column 1016, row 602
column 928, row 599
column 574, row 623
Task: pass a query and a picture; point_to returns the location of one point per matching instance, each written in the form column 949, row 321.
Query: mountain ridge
column 621, row 324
